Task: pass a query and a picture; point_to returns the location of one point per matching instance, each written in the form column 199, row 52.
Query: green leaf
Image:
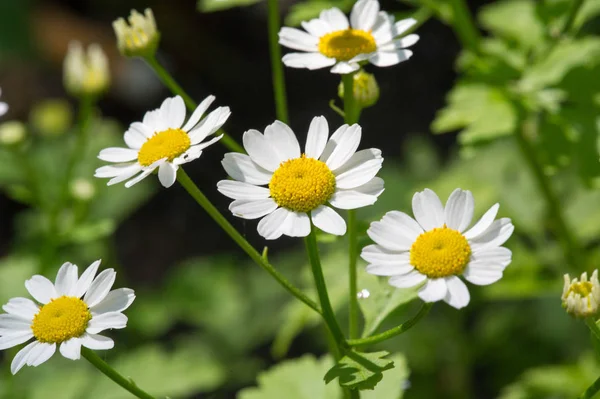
column 483, row 111
column 219, row 5
column 310, row 9
column 358, row 370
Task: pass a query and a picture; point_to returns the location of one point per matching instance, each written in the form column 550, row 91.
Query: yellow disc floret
column 168, row 144
column 343, row 45
column 440, row 252
column 583, row 288
column 302, row 184
column 60, row 320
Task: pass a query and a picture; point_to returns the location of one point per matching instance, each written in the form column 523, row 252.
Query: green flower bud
column 51, row 117
column 138, row 38
column 366, row 89
column 82, row 189
column 12, row 133
column 85, row 74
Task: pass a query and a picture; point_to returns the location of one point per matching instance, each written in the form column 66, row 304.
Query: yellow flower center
column 440, row 252
column 60, row 320
column 343, row 45
column 302, row 184
column 169, row 144
column 583, row 288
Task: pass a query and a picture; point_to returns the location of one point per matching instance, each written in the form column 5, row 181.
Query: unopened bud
column 12, row 133
column 581, row 297
column 366, row 89
column 139, row 37
column 82, row 189
column 85, row 74
column 51, row 118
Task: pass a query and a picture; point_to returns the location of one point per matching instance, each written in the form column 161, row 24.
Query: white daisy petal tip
column 72, row 310
column 438, row 249
column 161, row 138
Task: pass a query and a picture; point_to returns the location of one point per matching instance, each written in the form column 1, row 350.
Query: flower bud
column 581, row 297
column 85, row 74
column 139, row 38
column 12, row 133
column 82, row 189
column 51, row 118
column 366, row 89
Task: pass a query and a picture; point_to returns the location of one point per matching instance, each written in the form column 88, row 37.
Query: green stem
column 172, row 85
column 201, row 199
column 392, row 332
column 592, row 390
column 317, row 271
column 276, row 64
column 350, row 105
column 111, row 373
column 353, row 288
column 464, row 25
column 591, row 323
column 571, row 17
column 555, row 210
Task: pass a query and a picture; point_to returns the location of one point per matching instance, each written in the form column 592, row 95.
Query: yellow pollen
column 583, row 288
column 169, row 144
column 60, row 320
column 440, row 252
column 343, row 45
column 302, row 184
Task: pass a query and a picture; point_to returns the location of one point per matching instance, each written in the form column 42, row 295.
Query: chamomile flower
column 68, row 314
column 436, row 248
column 581, row 297
column 301, row 187
column 332, row 40
column 162, row 141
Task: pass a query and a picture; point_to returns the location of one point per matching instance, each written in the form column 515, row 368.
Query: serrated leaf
column 219, row 5
column 358, row 370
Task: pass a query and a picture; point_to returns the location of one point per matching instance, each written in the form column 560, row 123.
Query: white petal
column 359, row 169
column 21, row 358
column 71, row 349
column 142, row 129
column 296, row 224
column 496, row 255
column 283, row 140
column 66, row 279
column 399, row 43
column 136, row 168
column 428, row 209
column 408, row 280
column 396, row 231
column 317, row 27
column 459, row 210
column 335, row 18
column 134, row 138
column 100, row 287
column 377, row 254
column 154, row 122
column 364, row 14
column 482, row 273
column 494, row 236
column 167, row 174
column 383, row 30
column 373, row 187
column 197, row 114
column 145, row 173
column 486, row 221
column 3, row 108
column 343, row 67
column 316, row 139
column 14, row 339
column 192, row 153
column 40, row 353
column 328, row 220
column 358, row 197
column 115, row 154
column 41, row 289
column 209, row 125
column 239, row 190
column 252, row 209
column 85, row 281
column 22, row 307
column 435, row 290
column 241, row 167
column 11, row 323
column 270, row 226
column 97, row 342
column 105, row 321
column 298, row 40
column 117, row 170
column 388, row 270
column 173, row 110
column 389, row 58
column 116, row 301
column 260, row 150
column 310, row 61
column 403, row 25
column 458, row 293
column 344, row 147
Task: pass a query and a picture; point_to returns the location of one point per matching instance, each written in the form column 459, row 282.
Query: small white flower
column 140, row 37
column 302, row 187
column 435, row 249
column 581, row 298
column 370, row 35
column 3, row 106
column 85, row 73
column 68, row 314
column 162, row 141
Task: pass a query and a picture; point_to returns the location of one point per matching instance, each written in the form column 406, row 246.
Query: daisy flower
column 160, row 141
column 581, row 297
column 435, row 249
column 301, row 187
column 68, row 314
column 332, row 40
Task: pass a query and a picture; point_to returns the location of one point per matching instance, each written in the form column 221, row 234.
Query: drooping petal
column 458, row 294
column 344, row 67
column 428, row 209
column 71, row 349
column 296, row 224
column 435, row 290
column 269, row 227
column 20, row 360
column 252, row 209
column 40, row 353
column 97, row 342
column 328, row 220
column 167, row 174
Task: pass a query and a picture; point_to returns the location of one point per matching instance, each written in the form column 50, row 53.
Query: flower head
column 365, row 89
column 332, row 40
column 162, row 141
column 581, row 298
column 301, row 187
column 140, row 37
column 436, row 248
column 85, row 73
column 69, row 314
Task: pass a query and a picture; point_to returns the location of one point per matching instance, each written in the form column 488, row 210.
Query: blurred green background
column 207, row 323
